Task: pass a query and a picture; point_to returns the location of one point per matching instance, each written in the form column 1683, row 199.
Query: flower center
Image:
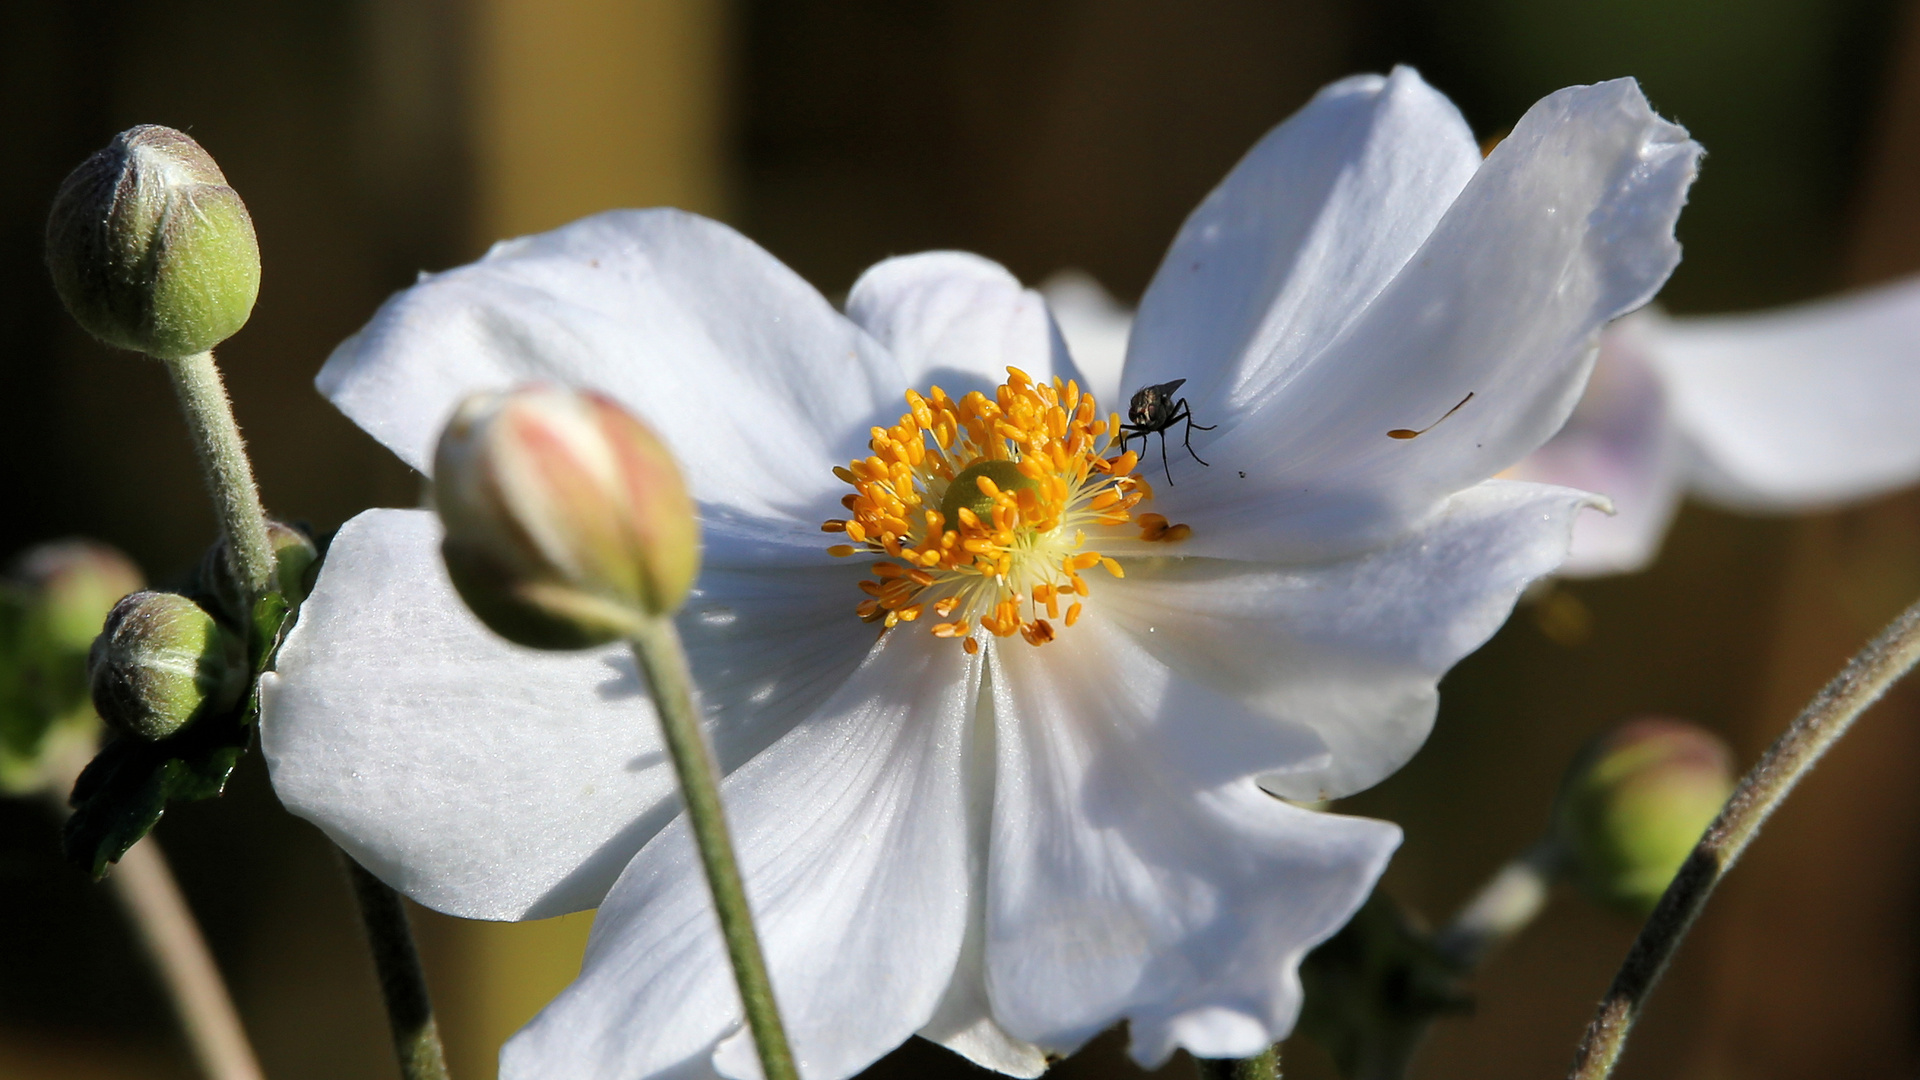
column 983, row 506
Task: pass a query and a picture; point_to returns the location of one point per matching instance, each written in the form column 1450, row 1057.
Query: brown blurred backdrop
column 376, row 138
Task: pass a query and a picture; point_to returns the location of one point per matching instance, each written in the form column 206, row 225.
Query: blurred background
column 373, row 139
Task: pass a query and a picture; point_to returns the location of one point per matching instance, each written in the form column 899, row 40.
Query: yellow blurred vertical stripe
column 587, row 105
column 506, row 973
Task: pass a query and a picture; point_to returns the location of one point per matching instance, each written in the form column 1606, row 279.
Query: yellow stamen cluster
column 964, row 549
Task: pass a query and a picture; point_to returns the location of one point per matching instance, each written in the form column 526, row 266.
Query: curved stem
column 146, row 888
column 229, row 476
column 656, row 645
column 1823, row 721
column 403, row 985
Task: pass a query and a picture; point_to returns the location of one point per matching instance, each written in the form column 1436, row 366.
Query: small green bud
column 1634, row 804
column 149, row 248
column 161, row 663
column 68, row 587
column 294, row 554
column 567, row 521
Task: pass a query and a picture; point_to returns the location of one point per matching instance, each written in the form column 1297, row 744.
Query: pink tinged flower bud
column 567, row 522
column 1635, row 803
column 150, row 249
column 162, row 663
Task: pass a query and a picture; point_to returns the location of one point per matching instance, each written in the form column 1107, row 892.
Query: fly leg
column 1186, row 413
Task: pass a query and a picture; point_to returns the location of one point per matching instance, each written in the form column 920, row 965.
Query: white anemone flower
column 997, row 780
column 1797, row 409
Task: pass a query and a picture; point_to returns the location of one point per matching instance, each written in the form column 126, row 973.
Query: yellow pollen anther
column 981, row 510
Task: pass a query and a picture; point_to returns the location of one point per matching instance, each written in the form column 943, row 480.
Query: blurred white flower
column 1801, row 408
column 1797, row 409
column 1033, row 807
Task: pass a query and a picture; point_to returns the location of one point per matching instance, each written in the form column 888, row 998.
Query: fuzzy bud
column 161, row 663
column 567, row 521
column 1634, row 804
column 294, row 556
column 149, row 248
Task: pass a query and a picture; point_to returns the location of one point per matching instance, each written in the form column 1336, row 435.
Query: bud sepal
column 1373, row 989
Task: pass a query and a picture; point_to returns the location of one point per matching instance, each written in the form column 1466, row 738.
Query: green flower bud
column 52, row 602
column 161, row 663
column 68, row 587
column 567, row 521
column 1634, row 804
column 149, row 248
column 295, row 556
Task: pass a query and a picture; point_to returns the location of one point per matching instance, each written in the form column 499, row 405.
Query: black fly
column 1155, row 409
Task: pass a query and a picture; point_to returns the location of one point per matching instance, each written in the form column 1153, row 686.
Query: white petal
column 1567, row 225
column 759, row 386
column 1351, row 649
column 955, row 319
column 852, row 838
column 769, row 646
column 1137, row 875
column 1800, row 408
column 1619, row 442
column 963, row 1021
column 1096, row 329
column 1298, row 239
column 480, row 778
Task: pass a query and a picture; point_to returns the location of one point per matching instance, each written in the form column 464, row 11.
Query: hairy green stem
column 1261, row 1066
column 403, row 985
column 1760, row 792
column 656, row 645
column 147, row 890
column 229, row 475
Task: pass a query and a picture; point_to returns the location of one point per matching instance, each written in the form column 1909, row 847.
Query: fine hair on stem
column 229, row 475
